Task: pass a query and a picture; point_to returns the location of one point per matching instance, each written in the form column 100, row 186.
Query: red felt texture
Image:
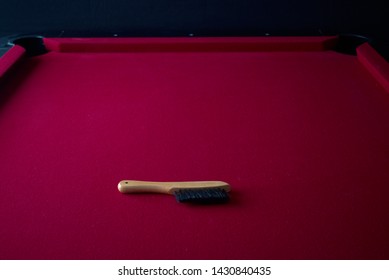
column 302, row 137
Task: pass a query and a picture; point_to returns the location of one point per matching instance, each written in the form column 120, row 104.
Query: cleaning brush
column 195, row 192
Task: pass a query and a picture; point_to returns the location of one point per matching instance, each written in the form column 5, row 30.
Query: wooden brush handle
column 131, row 186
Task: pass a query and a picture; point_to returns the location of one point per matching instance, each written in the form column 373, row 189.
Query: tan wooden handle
column 132, row 186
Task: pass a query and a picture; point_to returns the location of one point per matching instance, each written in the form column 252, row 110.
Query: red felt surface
column 302, row 137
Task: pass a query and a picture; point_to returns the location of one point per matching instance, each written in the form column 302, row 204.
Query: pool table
column 297, row 127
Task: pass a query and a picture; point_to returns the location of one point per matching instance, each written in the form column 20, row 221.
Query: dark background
column 201, row 18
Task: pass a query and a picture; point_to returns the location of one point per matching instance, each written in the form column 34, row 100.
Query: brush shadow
column 234, row 201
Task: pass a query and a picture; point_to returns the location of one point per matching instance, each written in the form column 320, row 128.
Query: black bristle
column 202, row 196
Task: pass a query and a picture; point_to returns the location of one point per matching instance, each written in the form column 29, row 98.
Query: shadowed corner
column 16, row 64
column 348, row 43
column 14, row 77
column 33, row 45
column 3, row 50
